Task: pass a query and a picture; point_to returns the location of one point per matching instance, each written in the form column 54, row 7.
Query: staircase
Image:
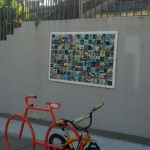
column 8, row 21
column 115, row 8
column 15, row 11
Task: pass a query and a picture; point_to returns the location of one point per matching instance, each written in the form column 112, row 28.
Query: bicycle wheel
column 93, row 146
column 58, row 140
column 21, row 120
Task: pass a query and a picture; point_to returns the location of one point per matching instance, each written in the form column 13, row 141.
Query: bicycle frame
column 85, row 139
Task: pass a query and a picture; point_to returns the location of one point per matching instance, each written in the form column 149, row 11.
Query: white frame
column 114, row 61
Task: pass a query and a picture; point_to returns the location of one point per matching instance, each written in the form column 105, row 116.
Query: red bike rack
column 25, row 120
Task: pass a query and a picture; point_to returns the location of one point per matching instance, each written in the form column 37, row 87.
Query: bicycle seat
column 53, row 105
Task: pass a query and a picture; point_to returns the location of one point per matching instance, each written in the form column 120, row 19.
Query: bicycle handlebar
column 98, row 106
column 89, row 115
column 29, row 97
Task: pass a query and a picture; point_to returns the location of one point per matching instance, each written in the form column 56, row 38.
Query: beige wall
column 24, row 65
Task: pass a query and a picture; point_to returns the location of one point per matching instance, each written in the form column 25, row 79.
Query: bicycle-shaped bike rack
column 65, row 141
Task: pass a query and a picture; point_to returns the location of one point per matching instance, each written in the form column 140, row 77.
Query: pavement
column 106, row 141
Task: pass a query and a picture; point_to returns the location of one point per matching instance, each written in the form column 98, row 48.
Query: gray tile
column 26, row 144
column 122, row 145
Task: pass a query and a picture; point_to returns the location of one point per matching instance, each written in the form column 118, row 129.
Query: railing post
column 120, row 8
column 85, row 9
column 4, row 24
column 0, row 24
column 95, row 3
column 101, row 8
column 148, row 6
column 69, row 9
column 80, row 12
column 126, row 8
column 114, row 8
column 141, row 7
column 107, row 8
column 134, row 6
column 22, row 14
column 63, row 11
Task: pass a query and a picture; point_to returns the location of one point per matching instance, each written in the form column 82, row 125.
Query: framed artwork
column 87, row 58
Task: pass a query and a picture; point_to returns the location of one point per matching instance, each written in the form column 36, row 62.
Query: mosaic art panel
column 87, row 58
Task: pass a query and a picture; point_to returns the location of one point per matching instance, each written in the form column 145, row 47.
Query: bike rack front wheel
column 23, row 120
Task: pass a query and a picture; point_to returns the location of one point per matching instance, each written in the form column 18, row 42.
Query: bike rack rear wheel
column 23, row 120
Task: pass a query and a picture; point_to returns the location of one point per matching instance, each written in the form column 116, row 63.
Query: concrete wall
column 24, row 65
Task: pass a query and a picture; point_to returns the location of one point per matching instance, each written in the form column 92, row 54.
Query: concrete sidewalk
column 116, row 143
